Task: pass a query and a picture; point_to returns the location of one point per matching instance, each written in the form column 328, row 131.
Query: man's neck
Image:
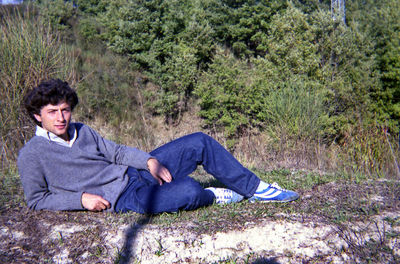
column 72, row 134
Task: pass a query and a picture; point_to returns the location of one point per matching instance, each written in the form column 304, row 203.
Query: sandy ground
column 82, row 237
column 268, row 242
column 278, row 241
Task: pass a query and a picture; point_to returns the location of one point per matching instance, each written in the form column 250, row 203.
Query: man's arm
column 132, row 157
column 121, row 154
column 39, row 197
column 37, row 193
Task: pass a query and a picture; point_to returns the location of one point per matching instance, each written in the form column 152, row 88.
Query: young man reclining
column 69, row 166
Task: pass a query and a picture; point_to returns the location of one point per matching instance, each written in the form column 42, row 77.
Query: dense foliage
column 286, row 69
column 236, row 57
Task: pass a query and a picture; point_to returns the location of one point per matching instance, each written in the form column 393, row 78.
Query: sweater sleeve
column 37, row 194
column 121, row 154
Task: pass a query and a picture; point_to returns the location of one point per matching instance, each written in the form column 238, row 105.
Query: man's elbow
column 32, row 205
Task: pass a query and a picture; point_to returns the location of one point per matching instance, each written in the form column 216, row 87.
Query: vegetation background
column 284, row 85
column 280, row 83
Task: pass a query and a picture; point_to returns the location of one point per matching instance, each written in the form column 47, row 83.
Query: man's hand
column 94, row 202
column 159, row 172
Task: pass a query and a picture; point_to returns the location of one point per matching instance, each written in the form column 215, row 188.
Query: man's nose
column 60, row 115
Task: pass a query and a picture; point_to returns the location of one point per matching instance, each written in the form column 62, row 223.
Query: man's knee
column 191, row 188
column 193, row 194
column 199, row 137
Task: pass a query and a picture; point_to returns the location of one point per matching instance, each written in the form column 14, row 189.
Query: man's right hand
column 158, row 171
column 94, row 202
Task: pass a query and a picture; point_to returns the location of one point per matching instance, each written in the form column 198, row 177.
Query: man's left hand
column 159, row 172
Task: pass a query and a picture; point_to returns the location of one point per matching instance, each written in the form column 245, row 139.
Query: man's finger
column 159, row 181
column 105, row 202
column 158, row 171
column 166, row 175
column 102, row 206
column 94, row 202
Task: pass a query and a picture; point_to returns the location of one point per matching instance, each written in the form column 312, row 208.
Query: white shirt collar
column 53, row 137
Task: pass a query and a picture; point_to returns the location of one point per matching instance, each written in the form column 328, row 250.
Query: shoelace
column 276, row 186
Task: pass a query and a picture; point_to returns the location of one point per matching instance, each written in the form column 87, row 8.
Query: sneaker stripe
column 272, row 195
column 269, row 195
column 266, row 191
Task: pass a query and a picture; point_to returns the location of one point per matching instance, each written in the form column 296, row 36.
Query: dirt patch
column 326, row 226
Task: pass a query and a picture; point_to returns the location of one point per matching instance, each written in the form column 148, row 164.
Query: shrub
column 228, row 96
column 89, row 32
column 57, row 13
column 238, row 95
column 177, row 77
column 169, row 40
column 296, row 111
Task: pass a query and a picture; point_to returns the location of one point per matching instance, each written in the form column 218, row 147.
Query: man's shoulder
column 78, row 125
column 83, row 130
column 34, row 141
column 81, row 126
column 33, row 146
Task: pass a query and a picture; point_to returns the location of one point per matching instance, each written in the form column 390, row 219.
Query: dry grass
column 30, row 52
column 370, row 154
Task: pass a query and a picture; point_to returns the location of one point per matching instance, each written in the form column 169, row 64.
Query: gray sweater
column 55, row 176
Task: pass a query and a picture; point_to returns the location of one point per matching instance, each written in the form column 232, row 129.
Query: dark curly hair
column 53, row 92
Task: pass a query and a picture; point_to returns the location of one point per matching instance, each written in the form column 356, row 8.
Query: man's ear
column 38, row 118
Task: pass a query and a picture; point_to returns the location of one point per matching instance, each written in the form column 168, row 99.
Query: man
column 69, row 166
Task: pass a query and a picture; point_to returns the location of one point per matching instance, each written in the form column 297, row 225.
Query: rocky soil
column 83, row 237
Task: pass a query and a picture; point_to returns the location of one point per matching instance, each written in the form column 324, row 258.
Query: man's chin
column 61, row 132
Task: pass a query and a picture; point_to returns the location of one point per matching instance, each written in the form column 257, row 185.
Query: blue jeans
column 181, row 157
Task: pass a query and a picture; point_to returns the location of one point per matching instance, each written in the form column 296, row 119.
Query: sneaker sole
column 272, row 201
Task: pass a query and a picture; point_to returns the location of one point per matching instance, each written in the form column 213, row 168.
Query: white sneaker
column 225, row 196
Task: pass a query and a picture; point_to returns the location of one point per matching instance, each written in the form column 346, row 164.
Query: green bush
column 296, row 111
column 110, row 92
column 173, row 42
column 89, row 31
column 169, row 40
column 177, row 77
column 385, row 29
column 237, row 95
column 248, row 24
column 347, row 70
column 290, row 45
column 91, row 7
column 227, row 97
column 57, row 13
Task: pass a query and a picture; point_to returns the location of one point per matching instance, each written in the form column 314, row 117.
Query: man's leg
column 144, row 195
column 182, row 156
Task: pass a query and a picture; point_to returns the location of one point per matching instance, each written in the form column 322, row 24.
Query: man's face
column 56, row 119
